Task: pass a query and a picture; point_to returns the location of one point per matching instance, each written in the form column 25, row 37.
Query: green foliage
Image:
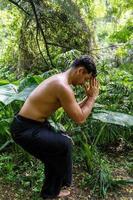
column 116, row 89
column 124, row 34
column 20, row 171
column 65, row 59
column 40, row 47
column 71, row 28
column 101, row 179
column 10, row 21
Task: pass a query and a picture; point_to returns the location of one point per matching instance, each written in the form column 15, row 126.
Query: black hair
column 87, row 62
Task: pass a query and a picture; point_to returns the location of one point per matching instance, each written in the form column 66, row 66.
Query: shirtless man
column 31, row 130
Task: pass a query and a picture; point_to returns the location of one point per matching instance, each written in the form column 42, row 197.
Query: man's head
column 84, row 69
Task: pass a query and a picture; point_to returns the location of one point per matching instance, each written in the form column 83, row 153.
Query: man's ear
column 80, row 70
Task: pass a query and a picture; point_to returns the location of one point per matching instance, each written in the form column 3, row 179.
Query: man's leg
column 51, row 148
column 67, row 180
column 58, row 169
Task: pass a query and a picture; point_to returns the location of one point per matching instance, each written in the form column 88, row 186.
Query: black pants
column 53, row 148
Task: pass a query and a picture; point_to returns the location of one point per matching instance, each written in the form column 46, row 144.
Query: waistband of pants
column 31, row 121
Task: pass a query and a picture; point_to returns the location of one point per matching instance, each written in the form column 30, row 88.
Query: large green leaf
column 114, row 118
column 29, row 81
column 9, row 93
column 3, row 82
column 24, row 93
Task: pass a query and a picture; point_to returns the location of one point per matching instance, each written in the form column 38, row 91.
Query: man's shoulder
column 64, row 89
column 60, row 82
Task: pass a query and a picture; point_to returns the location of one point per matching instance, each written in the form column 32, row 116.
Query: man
column 32, row 131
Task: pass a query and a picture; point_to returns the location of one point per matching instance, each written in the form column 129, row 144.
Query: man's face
column 82, row 76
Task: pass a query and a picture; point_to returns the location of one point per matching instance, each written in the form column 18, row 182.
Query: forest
column 40, row 38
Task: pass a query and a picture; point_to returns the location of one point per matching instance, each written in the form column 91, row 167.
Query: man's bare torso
column 43, row 101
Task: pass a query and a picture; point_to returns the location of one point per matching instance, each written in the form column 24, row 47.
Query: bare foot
column 63, row 193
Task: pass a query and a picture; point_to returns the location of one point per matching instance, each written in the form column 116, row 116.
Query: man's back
column 43, row 100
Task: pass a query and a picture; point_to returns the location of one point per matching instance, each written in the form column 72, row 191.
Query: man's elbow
column 80, row 121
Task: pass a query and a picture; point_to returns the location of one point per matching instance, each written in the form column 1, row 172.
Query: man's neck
column 69, row 75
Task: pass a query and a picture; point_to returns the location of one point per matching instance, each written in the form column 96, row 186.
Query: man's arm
column 71, row 107
column 87, row 107
column 82, row 103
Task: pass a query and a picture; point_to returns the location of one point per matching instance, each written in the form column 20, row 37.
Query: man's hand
column 92, row 90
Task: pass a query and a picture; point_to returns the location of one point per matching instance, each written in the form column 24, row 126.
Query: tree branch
column 59, row 45
column 40, row 48
column 42, row 32
column 16, row 4
column 62, row 46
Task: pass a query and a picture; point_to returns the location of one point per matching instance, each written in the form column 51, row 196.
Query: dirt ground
column 12, row 192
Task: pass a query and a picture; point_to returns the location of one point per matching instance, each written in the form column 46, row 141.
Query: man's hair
column 87, row 62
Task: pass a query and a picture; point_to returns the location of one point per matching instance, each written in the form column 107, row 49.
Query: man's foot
column 64, row 193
